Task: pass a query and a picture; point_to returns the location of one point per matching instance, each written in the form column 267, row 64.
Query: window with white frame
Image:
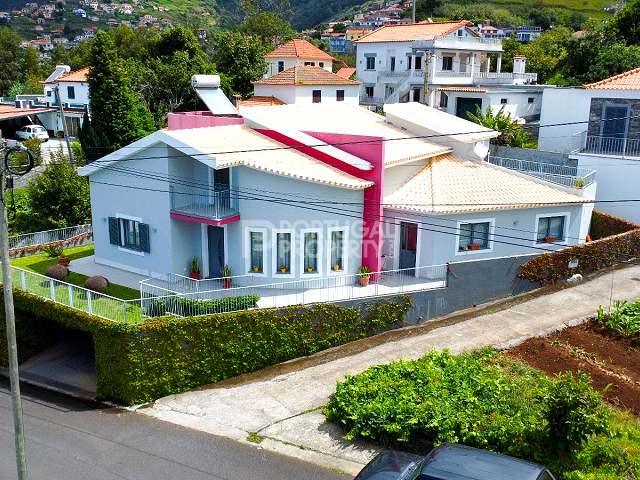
column 474, row 236
column 337, row 250
column 129, row 234
column 371, row 63
column 256, row 251
column 551, row 229
column 280, row 66
column 310, row 252
column 444, row 100
column 283, row 252
column 447, row 63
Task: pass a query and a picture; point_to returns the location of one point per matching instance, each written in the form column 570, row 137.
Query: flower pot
column 364, row 281
column 549, row 239
column 64, row 261
column 227, row 282
column 195, row 275
column 474, row 246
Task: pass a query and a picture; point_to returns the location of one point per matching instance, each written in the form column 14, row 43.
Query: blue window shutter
column 144, row 237
column 114, row 231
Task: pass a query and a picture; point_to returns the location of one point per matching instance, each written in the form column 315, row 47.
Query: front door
column 614, row 128
column 408, row 247
column 216, row 250
column 466, row 105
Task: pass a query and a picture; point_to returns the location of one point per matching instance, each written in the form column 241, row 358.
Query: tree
column 548, row 53
column 241, row 58
column 58, row 197
column 626, row 23
column 269, row 27
column 117, row 113
column 511, row 133
column 11, row 56
column 426, row 8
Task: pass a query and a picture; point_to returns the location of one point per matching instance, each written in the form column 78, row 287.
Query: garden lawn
column 100, row 305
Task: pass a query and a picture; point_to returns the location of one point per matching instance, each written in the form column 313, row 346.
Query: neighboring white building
column 305, row 84
column 396, row 62
column 73, row 89
column 599, row 125
column 294, row 53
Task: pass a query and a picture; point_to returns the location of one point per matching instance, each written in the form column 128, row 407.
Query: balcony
column 566, row 176
column 460, row 43
column 614, row 146
column 203, row 205
column 505, row 77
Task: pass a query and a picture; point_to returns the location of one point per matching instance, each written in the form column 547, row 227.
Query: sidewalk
column 285, row 408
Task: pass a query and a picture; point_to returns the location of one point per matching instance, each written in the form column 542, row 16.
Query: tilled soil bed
column 611, row 360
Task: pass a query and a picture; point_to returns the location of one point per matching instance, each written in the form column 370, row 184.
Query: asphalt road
column 72, row 440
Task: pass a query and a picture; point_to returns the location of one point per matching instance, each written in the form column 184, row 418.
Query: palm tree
column 511, row 133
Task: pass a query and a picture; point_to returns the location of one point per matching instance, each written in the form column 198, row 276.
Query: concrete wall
column 81, row 93
column 552, row 158
column 514, row 233
column 517, row 105
column 291, row 94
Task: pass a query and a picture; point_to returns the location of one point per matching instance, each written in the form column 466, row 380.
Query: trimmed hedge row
column 604, row 225
column 591, row 257
column 189, row 306
column 165, row 355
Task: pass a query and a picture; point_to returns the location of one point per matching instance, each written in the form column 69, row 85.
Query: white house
column 73, row 90
column 294, row 53
column 395, row 63
column 315, row 191
column 306, row 84
column 599, row 125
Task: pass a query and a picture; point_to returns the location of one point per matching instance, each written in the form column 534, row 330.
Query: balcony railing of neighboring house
column 573, row 177
column 615, row 146
column 203, row 203
column 501, row 77
column 367, row 100
column 471, row 43
column 286, row 292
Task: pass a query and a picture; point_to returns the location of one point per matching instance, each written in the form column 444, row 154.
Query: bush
column 574, row 410
column 53, row 251
column 58, row 272
column 96, row 283
column 478, row 399
column 604, row 225
column 188, row 307
column 624, row 318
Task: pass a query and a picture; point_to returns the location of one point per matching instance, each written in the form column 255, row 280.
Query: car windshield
column 38, row 129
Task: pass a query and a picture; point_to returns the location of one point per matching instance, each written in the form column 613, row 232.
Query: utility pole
column 427, row 66
column 64, row 123
column 413, row 17
column 14, row 377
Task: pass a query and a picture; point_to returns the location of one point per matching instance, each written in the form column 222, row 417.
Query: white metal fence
column 49, row 236
column 186, row 297
column 574, row 177
column 623, row 146
column 76, row 297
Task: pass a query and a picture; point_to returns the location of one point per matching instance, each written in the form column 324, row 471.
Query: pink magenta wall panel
column 184, row 120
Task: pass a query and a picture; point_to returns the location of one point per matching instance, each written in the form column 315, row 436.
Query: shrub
column 574, row 410
column 97, row 283
column 57, row 271
column 189, row 307
column 624, row 318
column 53, row 251
column 605, row 225
column 478, row 399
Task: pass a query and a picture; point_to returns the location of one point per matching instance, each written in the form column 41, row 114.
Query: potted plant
column 309, row 269
column 579, row 182
column 283, row 269
column 194, row 269
column 255, row 269
column 336, row 267
column 549, row 239
column 364, row 274
column 64, row 260
column 226, row 274
column 474, row 246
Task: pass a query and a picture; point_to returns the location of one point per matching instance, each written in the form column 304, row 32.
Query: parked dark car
column 452, row 462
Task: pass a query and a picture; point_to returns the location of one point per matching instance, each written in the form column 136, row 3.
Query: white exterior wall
column 290, row 62
column 81, row 93
column 292, row 94
column 564, row 106
column 517, row 105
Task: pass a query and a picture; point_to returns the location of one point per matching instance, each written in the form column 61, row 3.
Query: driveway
column 283, row 404
column 54, row 145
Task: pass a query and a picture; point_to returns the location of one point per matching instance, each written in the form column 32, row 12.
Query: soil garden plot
column 612, row 361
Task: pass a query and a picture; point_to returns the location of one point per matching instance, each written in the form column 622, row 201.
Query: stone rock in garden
column 59, row 272
column 97, row 283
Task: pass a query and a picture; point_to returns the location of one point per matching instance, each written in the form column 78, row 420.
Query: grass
column 100, row 305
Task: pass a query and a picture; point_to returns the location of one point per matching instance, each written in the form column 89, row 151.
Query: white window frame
column 319, row 262
column 122, row 248
column 345, row 242
column 274, row 253
column 397, row 240
column 492, row 229
column 565, row 233
column 247, row 251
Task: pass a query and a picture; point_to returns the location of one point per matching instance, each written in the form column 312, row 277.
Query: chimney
column 235, row 100
column 519, row 64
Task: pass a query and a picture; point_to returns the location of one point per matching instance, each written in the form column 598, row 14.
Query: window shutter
column 114, row 231
column 144, row 237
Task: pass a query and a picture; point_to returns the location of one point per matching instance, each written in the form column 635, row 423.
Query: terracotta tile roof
column 261, row 101
column 299, row 49
column 449, row 185
column 625, row 81
column 463, row 89
column 75, row 76
column 306, row 75
column 346, row 72
column 8, row 112
column 413, row 31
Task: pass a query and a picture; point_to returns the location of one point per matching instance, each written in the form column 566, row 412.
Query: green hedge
column 189, row 306
column 165, row 355
column 605, row 225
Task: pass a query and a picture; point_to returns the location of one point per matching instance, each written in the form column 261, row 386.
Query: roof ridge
column 612, row 78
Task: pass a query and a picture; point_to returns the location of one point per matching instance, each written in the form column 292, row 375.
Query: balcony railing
column 506, row 76
column 202, row 203
column 567, row 176
column 617, row 146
